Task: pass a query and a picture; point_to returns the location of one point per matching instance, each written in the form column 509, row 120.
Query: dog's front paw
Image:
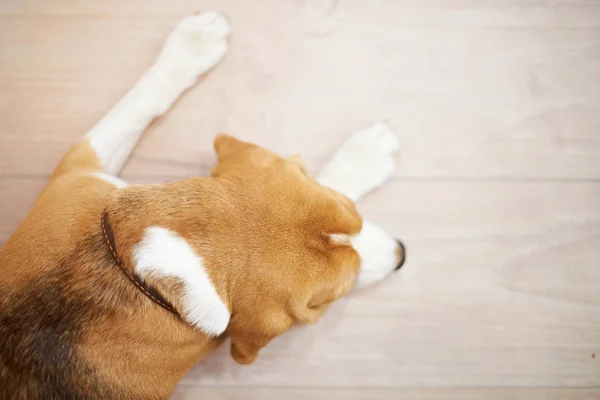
column 363, row 163
column 197, row 44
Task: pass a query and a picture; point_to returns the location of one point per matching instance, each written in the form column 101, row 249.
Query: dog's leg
column 363, row 163
column 196, row 45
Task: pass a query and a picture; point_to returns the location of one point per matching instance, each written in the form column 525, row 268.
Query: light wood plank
column 229, row 393
column 503, row 91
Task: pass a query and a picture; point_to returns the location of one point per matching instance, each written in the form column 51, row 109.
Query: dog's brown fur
column 72, row 325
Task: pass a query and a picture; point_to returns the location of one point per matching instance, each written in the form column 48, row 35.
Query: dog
column 116, row 291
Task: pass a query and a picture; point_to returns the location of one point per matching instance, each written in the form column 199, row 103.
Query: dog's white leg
column 363, row 163
column 196, row 45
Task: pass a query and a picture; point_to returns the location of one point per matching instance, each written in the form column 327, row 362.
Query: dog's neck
column 160, row 233
column 152, row 293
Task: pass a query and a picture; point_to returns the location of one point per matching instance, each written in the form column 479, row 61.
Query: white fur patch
column 379, row 253
column 340, row 239
column 196, row 45
column 363, row 163
column 164, row 253
column 117, row 182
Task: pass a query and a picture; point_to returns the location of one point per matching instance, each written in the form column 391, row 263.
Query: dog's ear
column 236, row 156
column 250, row 333
column 229, row 152
column 297, row 161
column 226, row 146
column 249, row 336
column 245, row 347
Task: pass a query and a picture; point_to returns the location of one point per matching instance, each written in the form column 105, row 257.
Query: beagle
column 112, row 291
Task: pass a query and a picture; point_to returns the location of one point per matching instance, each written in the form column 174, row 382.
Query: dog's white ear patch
column 162, row 252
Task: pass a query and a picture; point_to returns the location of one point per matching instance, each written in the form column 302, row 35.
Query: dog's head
column 303, row 245
column 277, row 247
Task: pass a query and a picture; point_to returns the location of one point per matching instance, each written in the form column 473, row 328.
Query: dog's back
column 41, row 326
column 51, row 291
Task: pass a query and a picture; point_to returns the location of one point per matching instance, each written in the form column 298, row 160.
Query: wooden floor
column 496, row 195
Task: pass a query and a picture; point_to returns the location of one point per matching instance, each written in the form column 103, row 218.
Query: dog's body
column 115, row 291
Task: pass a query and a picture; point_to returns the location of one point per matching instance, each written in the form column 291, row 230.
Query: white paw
column 197, row 44
column 363, row 163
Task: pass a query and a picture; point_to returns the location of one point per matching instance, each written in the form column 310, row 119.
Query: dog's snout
column 401, row 255
column 380, row 254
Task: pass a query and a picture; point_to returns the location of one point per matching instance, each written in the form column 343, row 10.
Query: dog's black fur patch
column 42, row 322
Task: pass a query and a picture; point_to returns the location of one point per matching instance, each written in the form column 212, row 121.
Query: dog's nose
column 401, row 255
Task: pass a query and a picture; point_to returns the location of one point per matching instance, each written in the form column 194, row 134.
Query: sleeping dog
column 115, row 291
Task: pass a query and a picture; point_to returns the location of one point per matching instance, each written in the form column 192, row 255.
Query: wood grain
column 504, row 90
column 229, row 393
column 496, row 194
